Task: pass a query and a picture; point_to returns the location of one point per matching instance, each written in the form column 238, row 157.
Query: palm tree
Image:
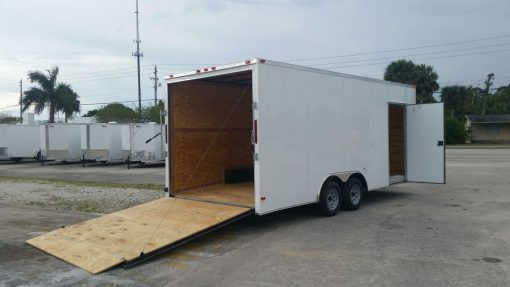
column 68, row 101
column 49, row 94
column 422, row 76
column 456, row 100
column 426, row 83
column 401, row 71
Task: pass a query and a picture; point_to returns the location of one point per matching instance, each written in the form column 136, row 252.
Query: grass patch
column 83, row 183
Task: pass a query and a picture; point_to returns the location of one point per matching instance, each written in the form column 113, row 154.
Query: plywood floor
column 101, row 243
column 242, row 194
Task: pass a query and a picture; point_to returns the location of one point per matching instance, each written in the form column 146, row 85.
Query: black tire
column 330, row 198
column 353, row 194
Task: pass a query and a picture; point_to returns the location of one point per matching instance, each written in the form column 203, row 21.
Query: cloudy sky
column 92, row 41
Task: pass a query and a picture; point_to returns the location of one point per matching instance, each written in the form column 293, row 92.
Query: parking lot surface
column 409, row 234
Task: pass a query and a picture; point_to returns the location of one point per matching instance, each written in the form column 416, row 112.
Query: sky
column 92, row 41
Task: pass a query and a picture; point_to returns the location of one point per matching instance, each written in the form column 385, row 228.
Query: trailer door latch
column 440, row 143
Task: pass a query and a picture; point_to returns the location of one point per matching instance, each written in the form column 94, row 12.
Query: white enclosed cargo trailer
column 61, row 142
column 19, row 141
column 271, row 136
column 101, row 142
column 3, row 141
column 23, row 142
column 142, row 142
column 261, row 136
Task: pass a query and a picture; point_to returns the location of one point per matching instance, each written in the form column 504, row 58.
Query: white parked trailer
column 3, row 141
column 19, row 141
column 61, row 142
column 101, row 142
column 261, row 136
column 298, row 135
column 142, row 142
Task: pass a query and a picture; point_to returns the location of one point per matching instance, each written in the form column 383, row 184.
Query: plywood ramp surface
column 235, row 193
column 101, row 243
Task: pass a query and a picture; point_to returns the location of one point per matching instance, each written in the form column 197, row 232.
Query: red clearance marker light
column 262, row 61
column 198, row 71
column 171, row 76
column 213, row 68
column 263, row 198
column 247, row 62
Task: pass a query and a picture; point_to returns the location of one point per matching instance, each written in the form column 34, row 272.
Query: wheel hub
column 355, row 194
column 332, row 199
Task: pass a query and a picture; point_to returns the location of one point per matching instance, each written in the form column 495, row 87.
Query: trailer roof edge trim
column 247, row 65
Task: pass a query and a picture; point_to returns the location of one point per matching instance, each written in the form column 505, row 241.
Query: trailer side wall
column 312, row 124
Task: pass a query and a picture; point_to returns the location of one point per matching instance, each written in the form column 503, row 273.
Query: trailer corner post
column 166, row 153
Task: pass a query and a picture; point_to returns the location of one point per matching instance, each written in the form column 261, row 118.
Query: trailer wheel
column 329, row 202
column 353, row 194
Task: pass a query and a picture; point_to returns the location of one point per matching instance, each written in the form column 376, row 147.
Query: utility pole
column 156, row 84
column 137, row 54
column 21, row 101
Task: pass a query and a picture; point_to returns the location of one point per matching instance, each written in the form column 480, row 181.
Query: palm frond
column 67, row 99
column 41, row 79
column 53, row 73
column 39, row 107
column 34, row 96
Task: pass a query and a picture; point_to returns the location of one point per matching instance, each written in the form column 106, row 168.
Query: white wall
column 312, row 124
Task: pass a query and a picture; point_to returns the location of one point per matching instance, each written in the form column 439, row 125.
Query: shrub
column 455, row 131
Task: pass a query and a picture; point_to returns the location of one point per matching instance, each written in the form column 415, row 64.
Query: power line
column 94, row 104
column 413, row 55
column 421, row 59
column 105, row 78
column 116, row 102
column 105, row 71
column 401, row 49
column 9, row 107
column 101, row 75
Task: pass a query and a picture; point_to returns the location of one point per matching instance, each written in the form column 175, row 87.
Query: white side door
column 425, row 145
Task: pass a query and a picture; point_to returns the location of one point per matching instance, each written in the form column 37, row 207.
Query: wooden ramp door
column 135, row 233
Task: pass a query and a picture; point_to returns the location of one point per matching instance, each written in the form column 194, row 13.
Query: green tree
column 499, row 102
column 456, row 101
column 422, row 76
column 91, row 113
column 488, row 83
column 49, row 94
column 152, row 113
column 455, row 132
column 68, row 101
column 400, row 71
column 8, row 119
column 426, row 83
column 116, row 112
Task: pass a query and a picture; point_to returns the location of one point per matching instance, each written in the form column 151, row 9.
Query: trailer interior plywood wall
column 210, row 132
column 396, row 139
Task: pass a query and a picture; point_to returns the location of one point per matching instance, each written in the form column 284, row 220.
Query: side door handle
column 440, row 143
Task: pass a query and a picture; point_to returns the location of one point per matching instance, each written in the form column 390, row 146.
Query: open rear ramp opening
column 134, row 234
column 211, row 150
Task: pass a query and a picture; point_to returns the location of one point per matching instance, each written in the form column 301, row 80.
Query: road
column 410, row 234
